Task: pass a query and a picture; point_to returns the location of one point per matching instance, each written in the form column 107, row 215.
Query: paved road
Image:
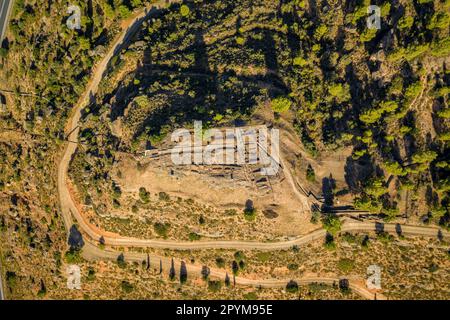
column 91, row 251
column 5, row 11
column 2, row 295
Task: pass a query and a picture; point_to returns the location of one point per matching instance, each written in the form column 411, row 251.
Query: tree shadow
column 90, row 14
column 357, row 172
column 289, row 18
column 398, row 229
column 379, row 227
column 172, row 272
column 183, row 272
column 431, row 197
column 75, row 240
column 249, row 205
column 270, row 52
column 409, row 141
column 313, row 11
column 328, row 186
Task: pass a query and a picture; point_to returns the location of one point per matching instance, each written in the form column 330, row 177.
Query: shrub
column 406, row 22
column 164, row 196
column 424, row 157
column 144, row 195
column 404, row 130
column 410, row 53
column 161, row 228
column 11, row 279
column 240, row 41
column 368, row 35
column 292, row 266
column 360, row 11
column 3, row 52
column 367, row 204
column 42, row 291
column 121, row 261
column 349, row 238
column 445, row 114
column 442, row 92
column 292, row 287
column 340, row 92
column 194, row 236
column 315, row 216
column 250, row 214
column 389, row 106
column 331, row 223
column 251, row 296
column 205, row 273
column 371, row 116
column 124, row 12
column 390, row 213
column 445, row 136
column 375, row 187
column 385, row 237
column 344, row 286
column 330, row 245
column 300, row 62
column 317, row 287
column 439, row 20
column 184, row 10
column 310, row 174
column 263, row 256
column 127, row 287
column 395, row 168
column 214, row 285
column 116, row 204
column 281, row 104
column 91, row 274
column 365, row 242
column 220, row 262
column 73, row 256
column 320, row 31
column 345, row 265
column 413, row 90
column 239, row 256
column 441, row 48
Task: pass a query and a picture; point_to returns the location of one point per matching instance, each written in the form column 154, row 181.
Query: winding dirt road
column 91, row 251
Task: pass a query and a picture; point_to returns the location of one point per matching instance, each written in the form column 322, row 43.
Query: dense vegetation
column 44, row 67
column 384, row 92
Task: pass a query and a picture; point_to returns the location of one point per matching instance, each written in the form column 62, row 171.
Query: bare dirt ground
column 293, row 218
column 286, row 197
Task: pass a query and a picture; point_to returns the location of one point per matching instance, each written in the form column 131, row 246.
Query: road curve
column 91, row 251
column 164, row 264
column 69, row 208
